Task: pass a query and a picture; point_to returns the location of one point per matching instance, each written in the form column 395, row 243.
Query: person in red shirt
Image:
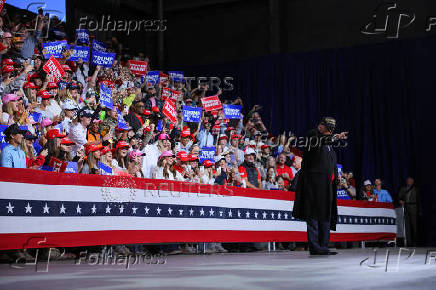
column 283, row 170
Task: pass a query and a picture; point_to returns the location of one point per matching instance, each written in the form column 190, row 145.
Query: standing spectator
column 381, row 195
column 270, row 182
column 248, row 170
column 283, row 170
column 409, row 198
column 12, row 155
column 32, row 161
column 208, row 177
column 205, row 138
column 136, row 117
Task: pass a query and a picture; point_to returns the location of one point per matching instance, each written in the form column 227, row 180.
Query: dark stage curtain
column 382, row 94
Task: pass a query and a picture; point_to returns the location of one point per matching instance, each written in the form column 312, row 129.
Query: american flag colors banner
column 50, row 209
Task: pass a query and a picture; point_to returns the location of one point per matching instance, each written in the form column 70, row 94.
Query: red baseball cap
column 7, row 68
column 155, row 109
column 192, row 157
column 66, row 67
column 30, row 85
column 92, row 148
column 54, row 133
column 67, row 141
column 208, row 163
column 147, row 112
column 236, row 136
column 52, row 85
column 264, row 146
column 183, row 156
column 185, row 133
column 230, row 129
column 44, row 94
column 8, row 61
column 122, row 144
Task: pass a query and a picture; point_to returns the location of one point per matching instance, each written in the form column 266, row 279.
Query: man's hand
column 342, row 135
column 44, row 152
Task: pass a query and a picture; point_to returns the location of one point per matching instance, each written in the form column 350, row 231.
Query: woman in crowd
column 10, row 109
column 165, row 169
column 93, row 153
column 33, row 160
column 120, row 161
column 65, row 149
column 270, row 182
column 208, row 176
column 135, row 163
column 54, row 139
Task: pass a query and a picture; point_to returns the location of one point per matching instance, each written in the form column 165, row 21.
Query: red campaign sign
column 57, row 164
column 53, row 66
column 166, row 93
column 175, row 95
column 169, row 110
column 211, row 103
column 138, row 67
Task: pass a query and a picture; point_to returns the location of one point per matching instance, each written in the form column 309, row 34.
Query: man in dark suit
column 315, row 196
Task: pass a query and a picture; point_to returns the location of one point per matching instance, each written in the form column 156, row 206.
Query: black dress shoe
column 332, row 253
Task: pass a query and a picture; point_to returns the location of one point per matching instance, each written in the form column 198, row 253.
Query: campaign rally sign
column 122, row 124
column 37, row 117
column 106, row 96
column 53, row 48
column 153, row 77
column 177, row 76
column 339, row 169
column 104, row 169
column 105, row 59
column 2, row 136
column 138, row 67
column 191, row 114
column 159, row 125
column 98, row 46
column 166, row 93
column 211, row 103
column 207, row 153
column 57, row 165
column 37, row 146
column 79, row 52
column 342, row 194
column 169, row 110
column 53, row 66
column 232, row 111
column 82, row 36
column 59, row 127
column 176, row 95
column 71, row 167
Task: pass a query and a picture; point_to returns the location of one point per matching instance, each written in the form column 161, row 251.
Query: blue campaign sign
column 191, row 114
column 232, row 111
column 339, row 169
column 53, row 48
column 80, row 52
column 342, row 194
column 106, row 96
column 37, row 146
column 177, row 76
column 153, row 77
column 207, row 153
column 47, row 168
column 159, row 125
column 104, row 169
column 71, row 167
column 105, row 59
column 37, row 117
column 60, row 127
column 98, row 46
column 82, row 36
column 121, row 122
column 2, row 136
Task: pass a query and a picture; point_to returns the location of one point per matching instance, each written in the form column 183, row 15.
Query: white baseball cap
column 367, row 182
column 249, row 151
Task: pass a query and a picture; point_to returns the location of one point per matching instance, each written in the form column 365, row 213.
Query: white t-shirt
column 158, row 174
column 149, row 161
column 78, row 136
column 54, row 107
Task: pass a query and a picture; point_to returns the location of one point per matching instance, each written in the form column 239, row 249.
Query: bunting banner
column 51, row 209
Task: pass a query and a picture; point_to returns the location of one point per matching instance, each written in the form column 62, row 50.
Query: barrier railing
column 46, row 209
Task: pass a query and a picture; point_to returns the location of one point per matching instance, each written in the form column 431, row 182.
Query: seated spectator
column 234, row 178
column 281, row 184
column 10, row 109
column 54, row 139
column 65, row 149
column 381, row 195
column 121, row 160
column 106, row 156
column 135, row 163
column 12, row 155
column 248, row 170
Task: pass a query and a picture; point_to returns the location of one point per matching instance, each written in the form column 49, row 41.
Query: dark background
column 302, row 59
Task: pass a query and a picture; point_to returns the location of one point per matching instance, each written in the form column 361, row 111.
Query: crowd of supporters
column 47, row 123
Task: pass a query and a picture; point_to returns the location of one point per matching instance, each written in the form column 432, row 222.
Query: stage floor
column 260, row 270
